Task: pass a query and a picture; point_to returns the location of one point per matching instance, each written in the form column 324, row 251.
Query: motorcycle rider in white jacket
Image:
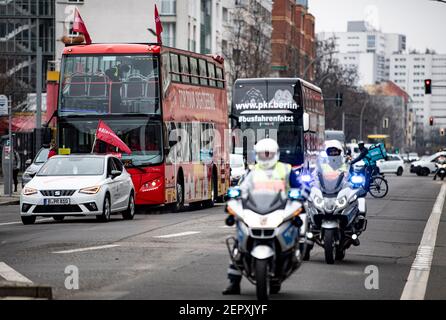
column 268, row 173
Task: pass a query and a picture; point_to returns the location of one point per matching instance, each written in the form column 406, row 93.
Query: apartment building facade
column 366, row 49
column 409, row 72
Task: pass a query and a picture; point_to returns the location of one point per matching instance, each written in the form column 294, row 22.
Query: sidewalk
column 15, row 196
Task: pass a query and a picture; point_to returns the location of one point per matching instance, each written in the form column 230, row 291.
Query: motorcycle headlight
column 319, row 202
column 357, row 179
column 341, row 203
column 29, row 191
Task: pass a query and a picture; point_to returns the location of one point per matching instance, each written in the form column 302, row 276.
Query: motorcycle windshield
column 332, row 172
column 264, row 202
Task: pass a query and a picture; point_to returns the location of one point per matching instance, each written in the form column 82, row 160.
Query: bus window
column 184, row 69
column 104, row 84
column 219, row 74
column 194, row 70
column 203, row 72
column 165, row 71
column 175, row 67
column 211, row 69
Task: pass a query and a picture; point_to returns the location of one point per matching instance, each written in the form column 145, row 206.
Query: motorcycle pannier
column 377, row 152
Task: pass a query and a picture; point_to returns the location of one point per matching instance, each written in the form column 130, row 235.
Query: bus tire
column 214, row 191
column 178, row 206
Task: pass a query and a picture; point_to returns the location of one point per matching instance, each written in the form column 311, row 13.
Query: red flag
column 106, row 134
column 79, row 26
column 158, row 24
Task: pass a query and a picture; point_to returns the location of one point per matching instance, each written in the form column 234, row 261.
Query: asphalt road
column 136, row 263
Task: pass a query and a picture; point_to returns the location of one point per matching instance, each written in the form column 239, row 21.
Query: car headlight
column 341, row 203
column 28, row 173
column 29, row 191
column 90, row 190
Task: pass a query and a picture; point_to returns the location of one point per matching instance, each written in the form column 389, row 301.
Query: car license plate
column 57, row 201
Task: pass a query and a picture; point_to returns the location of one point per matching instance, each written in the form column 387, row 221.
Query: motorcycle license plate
column 56, row 202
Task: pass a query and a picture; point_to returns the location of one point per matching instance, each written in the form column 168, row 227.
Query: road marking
column 415, row 288
column 187, row 233
column 107, row 246
column 19, row 222
column 10, row 274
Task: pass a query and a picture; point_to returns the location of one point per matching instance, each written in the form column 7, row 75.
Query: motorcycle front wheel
column 262, row 280
column 329, row 245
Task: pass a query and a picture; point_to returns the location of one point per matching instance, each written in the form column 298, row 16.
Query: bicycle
column 378, row 187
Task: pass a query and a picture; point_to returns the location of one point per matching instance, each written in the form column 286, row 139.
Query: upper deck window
column 109, row 84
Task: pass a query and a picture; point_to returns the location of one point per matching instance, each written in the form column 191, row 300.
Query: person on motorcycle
column 334, row 157
column 440, row 160
column 268, row 173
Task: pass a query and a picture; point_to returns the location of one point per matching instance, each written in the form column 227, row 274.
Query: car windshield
column 73, row 166
column 42, row 156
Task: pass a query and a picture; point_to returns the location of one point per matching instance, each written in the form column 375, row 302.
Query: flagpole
column 94, row 143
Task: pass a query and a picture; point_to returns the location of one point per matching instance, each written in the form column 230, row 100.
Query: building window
column 371, row 41
column 168, row 34
column 168, row 7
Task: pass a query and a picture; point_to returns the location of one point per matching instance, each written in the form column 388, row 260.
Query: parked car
column 394, row 164
column 79, row 185
column 34, row 165
column 237, row 165
column 413, row 156
column 426, row 166
column 405, row 157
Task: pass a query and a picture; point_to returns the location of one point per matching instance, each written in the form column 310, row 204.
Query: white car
column 413, row 156
column 237, row 165
column 79, row 185
column 394, row 164
column 426, row 166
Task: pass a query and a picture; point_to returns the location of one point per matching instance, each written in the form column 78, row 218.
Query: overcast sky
column 422, row 21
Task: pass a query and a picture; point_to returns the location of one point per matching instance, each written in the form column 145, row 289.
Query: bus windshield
column 268, row 109
column 109, row 84
column 142, row 136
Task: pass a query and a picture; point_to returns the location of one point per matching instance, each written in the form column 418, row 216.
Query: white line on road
column 415, row 288
column 10, row 274
column 187, row 233
column 19, row 222
column 107, row 246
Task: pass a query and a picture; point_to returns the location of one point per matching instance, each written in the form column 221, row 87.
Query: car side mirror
column 115, row 173
column 306, row 120
column 28, row 162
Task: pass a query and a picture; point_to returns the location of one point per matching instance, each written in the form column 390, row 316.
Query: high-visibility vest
column 278, row 181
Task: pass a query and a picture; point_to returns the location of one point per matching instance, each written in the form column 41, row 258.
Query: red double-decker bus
column 168, row 105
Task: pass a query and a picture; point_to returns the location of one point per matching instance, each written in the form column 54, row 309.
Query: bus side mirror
column 306, row 119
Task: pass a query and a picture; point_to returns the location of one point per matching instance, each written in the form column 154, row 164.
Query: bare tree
column 248, row 50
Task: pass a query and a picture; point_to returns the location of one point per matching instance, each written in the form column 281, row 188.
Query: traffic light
column 428, row 86
column 339, row 99
column 442, row 132
column 431, row 121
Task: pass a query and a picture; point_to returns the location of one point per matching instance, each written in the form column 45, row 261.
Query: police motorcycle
column 441, row 169
column 270, row 236
column 335, row 208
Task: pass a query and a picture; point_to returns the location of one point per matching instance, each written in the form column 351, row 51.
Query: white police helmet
column 267, row 153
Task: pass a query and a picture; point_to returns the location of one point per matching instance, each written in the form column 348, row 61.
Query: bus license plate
column 53, row 202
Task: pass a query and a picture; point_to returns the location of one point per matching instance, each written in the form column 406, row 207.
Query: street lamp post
column 360, row 119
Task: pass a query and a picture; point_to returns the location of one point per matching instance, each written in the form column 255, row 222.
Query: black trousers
column 15, row 174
